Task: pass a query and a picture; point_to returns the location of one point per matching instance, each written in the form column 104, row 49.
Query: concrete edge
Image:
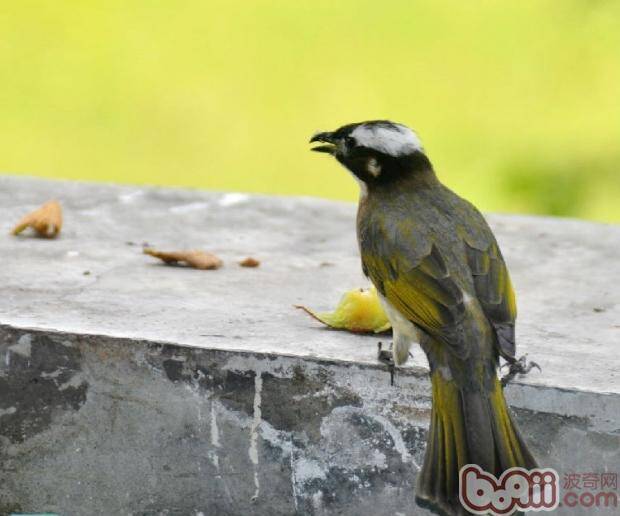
column 595, row 409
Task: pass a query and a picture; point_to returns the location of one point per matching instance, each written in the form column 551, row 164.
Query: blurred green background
column 518, row 103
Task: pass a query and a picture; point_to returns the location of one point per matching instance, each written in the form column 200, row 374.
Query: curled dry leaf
column 359, row 311
column 249, row 262
column 46, row 220
column 193, row 258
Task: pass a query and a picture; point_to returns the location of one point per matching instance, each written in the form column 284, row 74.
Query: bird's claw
column 518, row 366
column 385, row 356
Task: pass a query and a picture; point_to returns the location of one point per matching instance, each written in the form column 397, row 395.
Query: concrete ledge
column 141, row 388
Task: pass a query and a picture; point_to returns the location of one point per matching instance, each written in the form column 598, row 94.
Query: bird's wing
column 494, row 291
column 419, row 287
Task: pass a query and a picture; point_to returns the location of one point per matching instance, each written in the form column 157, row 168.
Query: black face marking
column 350, row 143
column 374, row 165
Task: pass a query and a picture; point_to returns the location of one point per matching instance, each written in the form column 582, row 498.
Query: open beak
column 326, row 138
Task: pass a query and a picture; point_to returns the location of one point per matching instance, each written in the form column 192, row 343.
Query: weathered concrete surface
column 141, row 388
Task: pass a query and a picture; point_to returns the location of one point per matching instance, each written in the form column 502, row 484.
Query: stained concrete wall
column 145, row 389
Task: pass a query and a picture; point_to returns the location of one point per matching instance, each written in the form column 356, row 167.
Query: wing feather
column 424, row 293
column 495, row 293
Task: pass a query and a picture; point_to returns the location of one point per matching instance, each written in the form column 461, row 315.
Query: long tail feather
column 468, row 426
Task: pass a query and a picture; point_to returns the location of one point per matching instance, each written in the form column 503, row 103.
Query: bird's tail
column 468, row 426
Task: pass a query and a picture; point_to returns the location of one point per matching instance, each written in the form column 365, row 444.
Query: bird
column 444, row 284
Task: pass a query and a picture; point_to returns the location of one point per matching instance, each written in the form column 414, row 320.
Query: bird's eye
column 350, row 142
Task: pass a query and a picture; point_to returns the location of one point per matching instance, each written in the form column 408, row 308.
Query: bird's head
column 375, row 152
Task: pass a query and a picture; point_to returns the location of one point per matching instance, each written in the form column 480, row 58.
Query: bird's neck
column 414, row 172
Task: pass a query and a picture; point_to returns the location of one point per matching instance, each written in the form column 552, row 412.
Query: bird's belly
column 404, row 331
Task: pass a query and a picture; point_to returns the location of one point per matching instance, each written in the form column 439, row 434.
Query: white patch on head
column 373, row 167
column 394, row 140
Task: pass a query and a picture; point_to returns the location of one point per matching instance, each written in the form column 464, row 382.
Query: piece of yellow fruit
column 359, row 311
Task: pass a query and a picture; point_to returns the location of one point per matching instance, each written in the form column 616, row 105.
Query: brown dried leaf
column 249, row 262
column 46, row 221
column 193, row 258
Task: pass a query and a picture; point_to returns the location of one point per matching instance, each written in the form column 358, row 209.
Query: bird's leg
column 385, row 356
column 517, row 366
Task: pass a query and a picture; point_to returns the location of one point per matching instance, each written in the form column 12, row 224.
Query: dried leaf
column 359, row 311
column 46, row 221
column 193, row 258
column 249, row 262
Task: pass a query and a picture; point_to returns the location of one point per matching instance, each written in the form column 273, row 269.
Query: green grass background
column 517, row 102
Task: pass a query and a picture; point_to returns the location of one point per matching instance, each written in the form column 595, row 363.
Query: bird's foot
column 517, row 366
column 385, row 356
